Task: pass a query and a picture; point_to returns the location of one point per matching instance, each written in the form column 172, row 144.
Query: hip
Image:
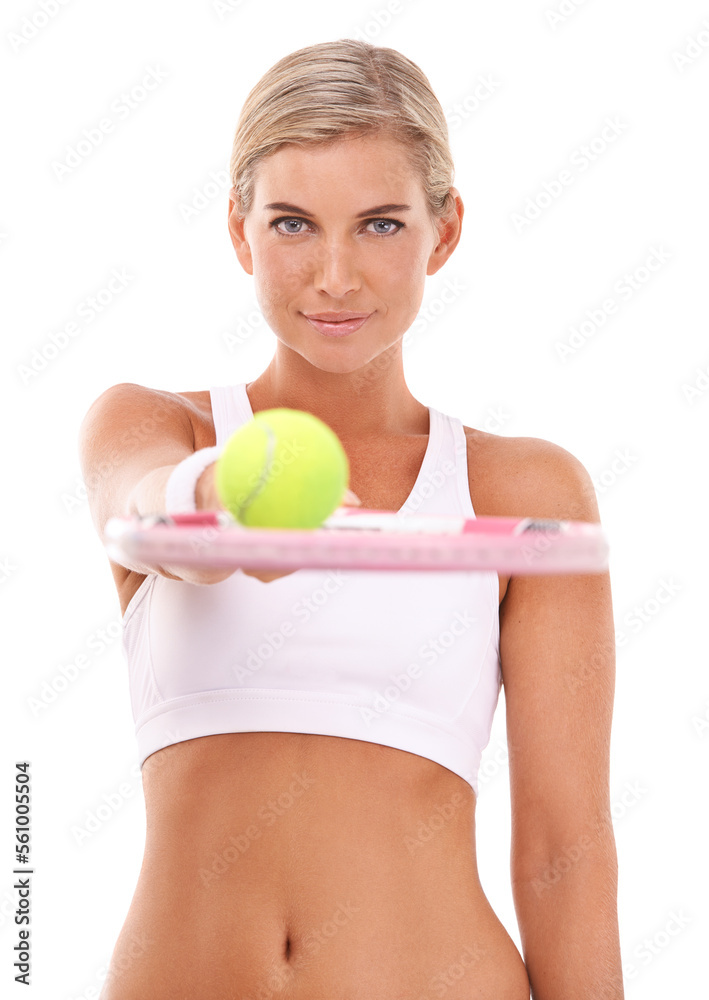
column 346, row 950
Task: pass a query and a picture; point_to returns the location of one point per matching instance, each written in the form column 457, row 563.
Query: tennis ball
column 283, row 469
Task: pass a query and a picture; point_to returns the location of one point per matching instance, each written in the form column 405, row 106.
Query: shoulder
column 199, row 401
column 530, row 477
column 131, row 393
column 198, row 407
column 128, row 404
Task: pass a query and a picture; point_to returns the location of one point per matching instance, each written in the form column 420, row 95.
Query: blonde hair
column 337, row 90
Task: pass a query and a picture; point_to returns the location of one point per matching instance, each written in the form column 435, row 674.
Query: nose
column 335, row 269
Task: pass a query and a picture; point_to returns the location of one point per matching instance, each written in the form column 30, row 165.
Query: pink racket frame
column 356, row 538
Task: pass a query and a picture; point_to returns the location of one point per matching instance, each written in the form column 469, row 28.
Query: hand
column 209, row 500
column 265, row 575
column 206, row 496
column 350, row 499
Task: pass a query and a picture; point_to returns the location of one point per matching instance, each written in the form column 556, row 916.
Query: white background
column 622, row 401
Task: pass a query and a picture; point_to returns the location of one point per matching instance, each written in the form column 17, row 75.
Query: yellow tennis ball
column 283, row 469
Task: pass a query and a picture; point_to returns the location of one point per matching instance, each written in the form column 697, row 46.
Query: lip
column 334, row 324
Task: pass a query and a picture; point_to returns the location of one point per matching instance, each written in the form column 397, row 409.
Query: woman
column 307, row 836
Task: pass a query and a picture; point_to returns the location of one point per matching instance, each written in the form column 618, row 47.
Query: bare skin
column 320, row 896
column 403, row 917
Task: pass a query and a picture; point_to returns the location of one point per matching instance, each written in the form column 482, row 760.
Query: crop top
column 406, row 659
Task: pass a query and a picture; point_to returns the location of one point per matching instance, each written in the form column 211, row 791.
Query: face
column 348, row 231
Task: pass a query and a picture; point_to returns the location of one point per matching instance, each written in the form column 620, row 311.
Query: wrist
column 205, row 491
column 188, row 485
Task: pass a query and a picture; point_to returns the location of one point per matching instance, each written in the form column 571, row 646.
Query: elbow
column 587, row 854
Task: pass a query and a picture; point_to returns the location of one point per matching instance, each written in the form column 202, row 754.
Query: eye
column 289, row 232
column 290, row 222
column 386, row 222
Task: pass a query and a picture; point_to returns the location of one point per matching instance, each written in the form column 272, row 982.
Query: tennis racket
column 356, row 538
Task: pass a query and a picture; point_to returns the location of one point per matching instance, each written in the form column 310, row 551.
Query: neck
column 372, row 402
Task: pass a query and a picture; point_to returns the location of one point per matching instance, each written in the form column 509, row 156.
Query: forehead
column 353, row 170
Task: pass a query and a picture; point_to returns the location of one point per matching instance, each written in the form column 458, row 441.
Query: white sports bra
column 406, row 659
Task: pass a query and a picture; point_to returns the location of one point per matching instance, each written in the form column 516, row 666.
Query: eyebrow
column 282, row 206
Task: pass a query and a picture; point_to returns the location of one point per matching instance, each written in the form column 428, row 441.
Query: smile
column 331, row 327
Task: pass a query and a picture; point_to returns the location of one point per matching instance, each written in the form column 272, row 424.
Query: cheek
column 407, row 256
column 277, row 275
column 402, row 274
column 411, row 267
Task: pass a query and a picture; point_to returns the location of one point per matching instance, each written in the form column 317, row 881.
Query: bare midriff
column 288, row 866
column 283, row 865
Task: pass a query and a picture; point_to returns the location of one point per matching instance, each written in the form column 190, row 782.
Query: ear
column 448, row 229
column 236, row 223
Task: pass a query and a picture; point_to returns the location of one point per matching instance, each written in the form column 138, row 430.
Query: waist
column 305, row 862
column 270, row 791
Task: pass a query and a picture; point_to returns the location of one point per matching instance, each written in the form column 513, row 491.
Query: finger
column 351, row 499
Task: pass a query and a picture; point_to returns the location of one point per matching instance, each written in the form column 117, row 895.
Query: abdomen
column 285, row 866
